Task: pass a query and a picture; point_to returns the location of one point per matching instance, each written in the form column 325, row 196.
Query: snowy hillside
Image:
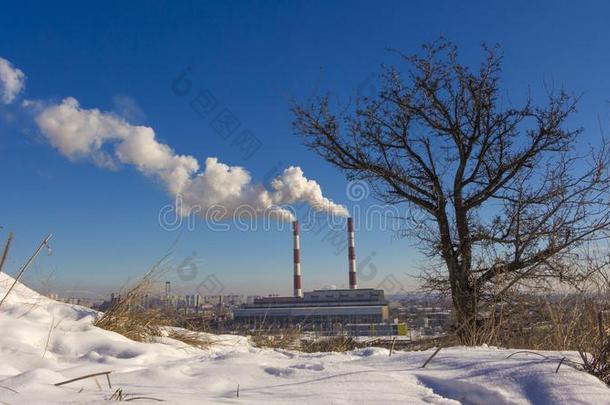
column 43, row 342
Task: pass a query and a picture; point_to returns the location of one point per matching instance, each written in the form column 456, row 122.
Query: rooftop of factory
column 360, row 296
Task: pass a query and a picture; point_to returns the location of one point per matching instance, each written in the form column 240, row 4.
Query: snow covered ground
column 171, row 371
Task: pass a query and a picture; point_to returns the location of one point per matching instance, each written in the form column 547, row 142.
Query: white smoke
column 78, row 132
column 12, row 81
column 292, row 186
column 219, row 190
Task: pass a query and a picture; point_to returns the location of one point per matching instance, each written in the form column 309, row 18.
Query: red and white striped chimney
column 351, row 254
column 298, row 292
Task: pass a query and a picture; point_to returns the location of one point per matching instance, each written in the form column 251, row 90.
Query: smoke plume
column 220, row 190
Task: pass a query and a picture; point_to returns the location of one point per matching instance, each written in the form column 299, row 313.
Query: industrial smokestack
column 351, row 254
column 298, row 292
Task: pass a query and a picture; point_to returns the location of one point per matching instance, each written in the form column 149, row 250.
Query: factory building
column 318, row 309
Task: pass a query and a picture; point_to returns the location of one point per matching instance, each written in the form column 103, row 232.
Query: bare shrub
column 597, row 362
column 547, row 323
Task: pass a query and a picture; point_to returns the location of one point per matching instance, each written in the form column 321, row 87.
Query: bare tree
column 504, row 196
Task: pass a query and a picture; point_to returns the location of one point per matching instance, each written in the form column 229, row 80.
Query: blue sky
column 254, row 57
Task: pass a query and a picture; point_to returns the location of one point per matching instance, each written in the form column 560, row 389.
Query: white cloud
column 109, row 140
column 128, row 108
column 12, row 81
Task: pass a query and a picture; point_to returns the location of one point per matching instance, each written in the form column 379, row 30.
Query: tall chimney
column 351, row 254
column 298, row 292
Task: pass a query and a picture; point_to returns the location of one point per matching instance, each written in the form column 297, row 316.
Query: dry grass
column 290, row 338
column 576, row 322
column 598, row 362
column 127, row 317
column 190, row 338
column 569, row 323
column 140, row 326
column 539, row 322
column 287, row 338
column 331, row 344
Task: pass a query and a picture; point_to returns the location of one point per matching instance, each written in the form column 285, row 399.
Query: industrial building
column 318, row 309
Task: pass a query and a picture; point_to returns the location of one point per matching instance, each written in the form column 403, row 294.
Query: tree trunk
column 462, row 292
column 464, row 304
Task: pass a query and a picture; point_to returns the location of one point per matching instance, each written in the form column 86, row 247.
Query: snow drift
column 43, row 342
